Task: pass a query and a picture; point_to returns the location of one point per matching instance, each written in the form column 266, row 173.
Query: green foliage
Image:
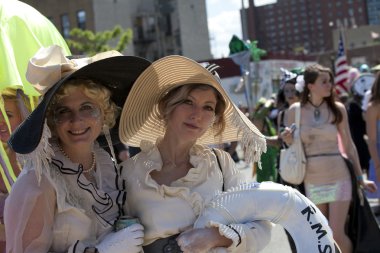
column 89, row 43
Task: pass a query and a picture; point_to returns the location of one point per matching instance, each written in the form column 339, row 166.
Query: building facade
column 373, row 9
column 160, row 27
column 302, row 26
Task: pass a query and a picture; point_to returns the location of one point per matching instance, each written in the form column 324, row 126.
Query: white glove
column 128, row 240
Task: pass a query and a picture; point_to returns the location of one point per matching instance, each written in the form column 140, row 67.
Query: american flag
column 341, row 68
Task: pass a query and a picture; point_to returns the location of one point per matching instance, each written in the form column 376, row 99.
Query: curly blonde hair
column 91, row 89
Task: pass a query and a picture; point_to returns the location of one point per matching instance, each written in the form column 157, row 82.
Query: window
column 65, row 23
column 81, row 19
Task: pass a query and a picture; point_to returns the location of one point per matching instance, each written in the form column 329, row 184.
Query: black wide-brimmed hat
column 49, row 69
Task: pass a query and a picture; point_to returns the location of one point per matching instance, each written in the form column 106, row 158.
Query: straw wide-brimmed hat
column 140, row 115
column 49, row 69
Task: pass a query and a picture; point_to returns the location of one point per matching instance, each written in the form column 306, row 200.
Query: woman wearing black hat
column 68, row 196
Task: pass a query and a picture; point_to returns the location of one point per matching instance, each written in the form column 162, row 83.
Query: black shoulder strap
column 220, row 167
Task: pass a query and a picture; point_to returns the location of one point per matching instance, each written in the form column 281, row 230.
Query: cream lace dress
column 169, row 210
column 64, row 212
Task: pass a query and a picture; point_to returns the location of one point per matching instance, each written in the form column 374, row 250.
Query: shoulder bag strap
column 298, row 115
column 220, row 167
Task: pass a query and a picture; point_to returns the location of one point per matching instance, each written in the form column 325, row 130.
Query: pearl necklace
column 84, row 171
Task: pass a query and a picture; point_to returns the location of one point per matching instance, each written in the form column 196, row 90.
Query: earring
column 107, row 135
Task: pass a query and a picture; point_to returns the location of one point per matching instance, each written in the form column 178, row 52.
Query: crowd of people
column 328, row 120
column 73, row 190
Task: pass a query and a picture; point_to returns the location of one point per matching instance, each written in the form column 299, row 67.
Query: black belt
column 163, row 245
column 326, row 154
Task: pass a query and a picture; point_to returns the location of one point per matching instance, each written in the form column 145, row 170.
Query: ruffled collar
column 76, row 185
column 200, row 157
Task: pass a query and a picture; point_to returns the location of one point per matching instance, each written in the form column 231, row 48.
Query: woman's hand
column 368, row 185
column 201, row 240
column 287, row 135
column 128, row 239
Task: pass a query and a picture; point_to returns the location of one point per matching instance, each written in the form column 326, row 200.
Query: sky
column 223, row 18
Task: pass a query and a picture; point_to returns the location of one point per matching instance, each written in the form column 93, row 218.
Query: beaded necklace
column 84, row 171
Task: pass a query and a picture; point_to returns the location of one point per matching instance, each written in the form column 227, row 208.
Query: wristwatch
column 91, row 250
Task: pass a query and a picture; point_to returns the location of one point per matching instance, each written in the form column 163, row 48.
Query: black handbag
column 362, row 227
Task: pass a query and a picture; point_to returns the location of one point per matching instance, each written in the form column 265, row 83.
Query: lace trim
column 255, row 144
column 40, row 158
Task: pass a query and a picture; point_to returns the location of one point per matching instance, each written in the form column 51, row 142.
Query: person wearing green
column 264, row 123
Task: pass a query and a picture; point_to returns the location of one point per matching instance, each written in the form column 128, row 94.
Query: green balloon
column 237, row 45
column 256, row 52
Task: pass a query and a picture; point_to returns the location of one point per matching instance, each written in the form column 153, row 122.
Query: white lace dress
column 168, row 210
column 64, row 212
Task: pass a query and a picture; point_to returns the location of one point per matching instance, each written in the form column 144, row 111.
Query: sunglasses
column 86, row 111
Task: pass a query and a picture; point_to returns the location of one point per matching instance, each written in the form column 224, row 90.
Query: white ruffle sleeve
column 27, row 200
column 64, row 212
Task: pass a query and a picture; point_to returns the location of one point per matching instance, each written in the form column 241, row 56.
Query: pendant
column 317, row 114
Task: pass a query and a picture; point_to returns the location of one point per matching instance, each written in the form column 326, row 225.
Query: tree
column 90, row 43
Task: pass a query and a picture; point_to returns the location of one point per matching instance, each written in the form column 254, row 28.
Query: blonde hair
column 19, row 96
column 169, row 101
column 91, row 89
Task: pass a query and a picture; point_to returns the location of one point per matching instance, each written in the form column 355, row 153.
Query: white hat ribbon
column 49, row 65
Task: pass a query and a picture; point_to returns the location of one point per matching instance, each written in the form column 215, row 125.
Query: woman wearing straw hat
column 68, row 196
column 175, row 108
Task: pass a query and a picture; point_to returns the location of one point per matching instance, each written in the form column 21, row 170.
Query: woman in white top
column 176, row 107
column 68, row 196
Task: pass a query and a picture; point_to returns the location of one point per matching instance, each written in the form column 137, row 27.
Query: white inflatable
column 279, row 204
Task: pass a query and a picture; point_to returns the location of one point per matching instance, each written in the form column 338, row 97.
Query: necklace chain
column 173, row 164
column 84, row 171
column 316, row 106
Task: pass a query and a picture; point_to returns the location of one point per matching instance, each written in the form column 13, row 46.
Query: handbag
column 362, row 227
column 292, row 159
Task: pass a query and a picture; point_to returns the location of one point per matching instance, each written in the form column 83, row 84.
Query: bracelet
column 359, row 178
